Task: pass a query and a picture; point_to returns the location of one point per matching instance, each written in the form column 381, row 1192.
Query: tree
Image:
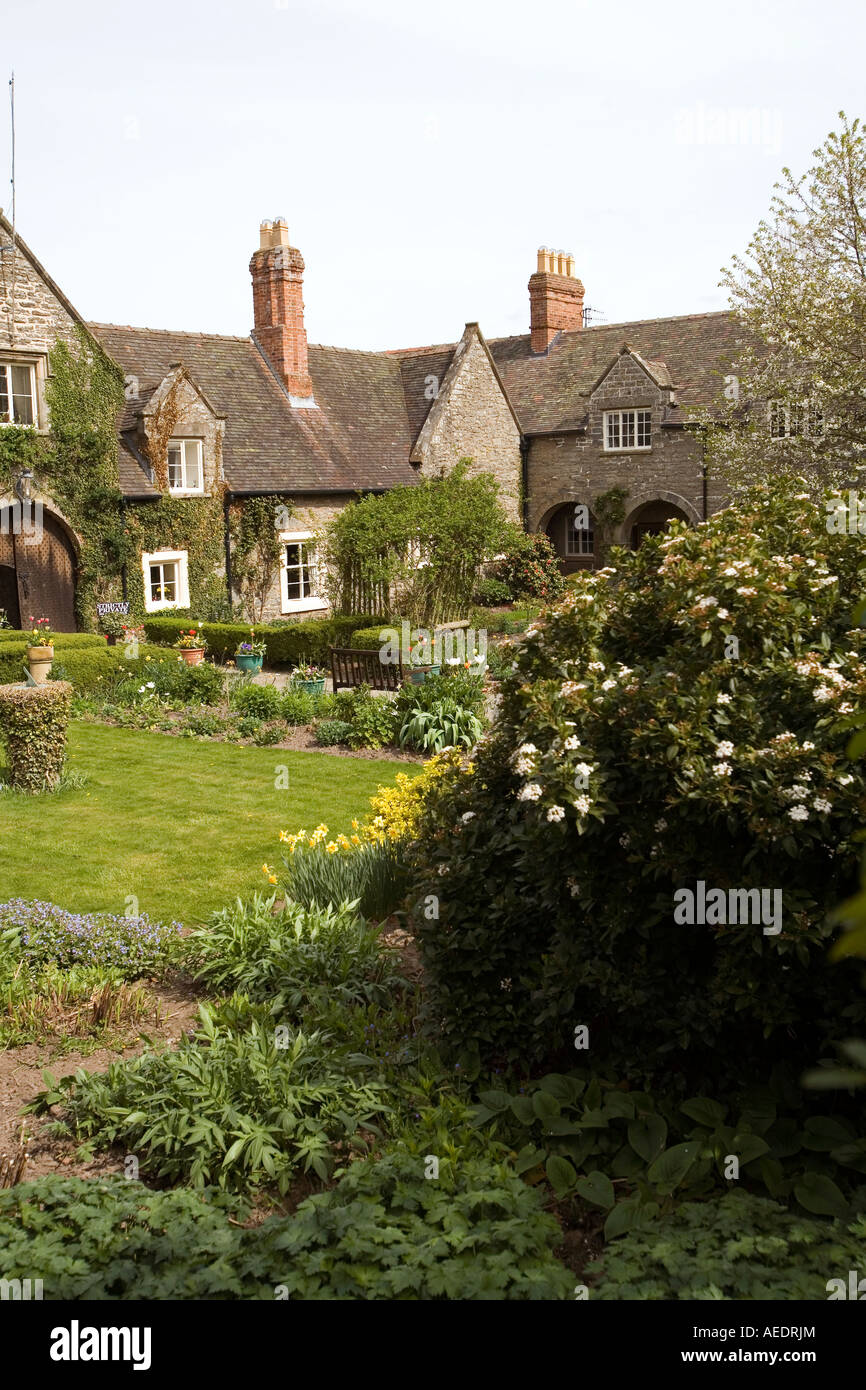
column 800, row 295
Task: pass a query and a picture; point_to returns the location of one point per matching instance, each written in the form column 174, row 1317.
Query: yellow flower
column 286, row 838
column 356, row 839
column 266, row 869
column 272, row 878
column 331, row 847
column 354, row 825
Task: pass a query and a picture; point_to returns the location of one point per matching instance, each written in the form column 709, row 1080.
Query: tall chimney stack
column 555, row 298
column 278, row 308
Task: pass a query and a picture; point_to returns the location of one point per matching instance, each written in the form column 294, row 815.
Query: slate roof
column 372, row 405
column 551, row 392
column 359, row 438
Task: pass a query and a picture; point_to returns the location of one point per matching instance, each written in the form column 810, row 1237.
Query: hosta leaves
column 561, row 1174
column 597, row 1188
column 647, row 1136
column 671, row 1167
column 706, row 1112
column 820, row 1195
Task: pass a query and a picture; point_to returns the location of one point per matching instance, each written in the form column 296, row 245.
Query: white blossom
column 556, row 813
column 798, row 813
column 531, row 792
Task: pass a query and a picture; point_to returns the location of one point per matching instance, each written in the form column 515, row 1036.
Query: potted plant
column 419, row 672
column 192, row 646
column 310, row 678
column 250, row 655
column 40, row 649
column 113, row 629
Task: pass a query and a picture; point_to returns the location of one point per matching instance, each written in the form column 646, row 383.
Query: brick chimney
column 555, row 298
column 278, row 309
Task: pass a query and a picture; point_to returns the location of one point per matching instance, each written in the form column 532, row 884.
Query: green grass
column 181, row 825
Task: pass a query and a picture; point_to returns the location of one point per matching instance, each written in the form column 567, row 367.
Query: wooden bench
column 354, row 666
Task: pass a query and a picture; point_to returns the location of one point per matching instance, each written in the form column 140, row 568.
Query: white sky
column 420, row 152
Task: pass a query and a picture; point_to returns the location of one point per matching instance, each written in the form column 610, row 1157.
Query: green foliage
column 742, row 1247
column 371, row 875
column 299, row 706
column 112, row 1239
column 624, row 699
column 202, row 725
column 585, row 1134
column 39, row 932
column 294, row 958
column 531, row 568
column 445, row 724
column 236, row 1106
column 417, row 550
column 262, row 701
column 257, row 522
column 492, row 592
column 384, row 1233
column 454, row 684
column 329, row 732
column 33, row 725
column 372, row 717
column 286, row 643
column 387, row 1232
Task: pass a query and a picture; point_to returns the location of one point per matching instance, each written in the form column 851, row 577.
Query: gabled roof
column 551, row 391
column 22, row 246
column 359, row 439
column 439, row 389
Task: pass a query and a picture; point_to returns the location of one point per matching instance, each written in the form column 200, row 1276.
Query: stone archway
column 38, row 565
column 572, row 531
column 651, row 515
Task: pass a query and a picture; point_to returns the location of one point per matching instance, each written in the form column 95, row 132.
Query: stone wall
column 474, row 421
column 30, row 327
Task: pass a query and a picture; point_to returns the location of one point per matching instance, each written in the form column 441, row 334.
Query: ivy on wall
column 183, row 523
column 76, row 463
column 255, row 525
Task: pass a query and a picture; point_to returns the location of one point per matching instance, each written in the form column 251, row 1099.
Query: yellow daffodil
column 331, row 847
column 272, row 878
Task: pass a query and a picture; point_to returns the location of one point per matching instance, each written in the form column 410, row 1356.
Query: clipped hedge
column 368, row 638
column 94, row 671
column 286, row 645
column 33, row 723
column 60, row 639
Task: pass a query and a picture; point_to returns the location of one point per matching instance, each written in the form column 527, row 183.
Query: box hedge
column 286, row 644
column 33, row 724
column 88, row 669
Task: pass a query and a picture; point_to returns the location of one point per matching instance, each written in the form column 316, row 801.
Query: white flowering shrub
column 678, row 720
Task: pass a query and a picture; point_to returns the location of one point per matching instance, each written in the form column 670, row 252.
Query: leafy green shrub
column 741, row 1247
column 492, row 592
column 40, row 932
column 331, row 731
column 293, row 957
column 33, row 725
column 202, row 725
column 387, row 1232
column 96, row 670
column 263, row 701
column 633, row 760
column 531, row 569
column 247, row 726
column 446, row 724
column 287, row 643
column 367, row 638
column 299, row 706
column 371, row 716
column 584, row 1135
column 454, row 683
column 114, row 1239
column 268, row 734
column 235, row 1108
column 372, row 875
column 61, row 641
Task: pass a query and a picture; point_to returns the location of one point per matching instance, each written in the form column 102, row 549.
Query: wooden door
column 46, row 576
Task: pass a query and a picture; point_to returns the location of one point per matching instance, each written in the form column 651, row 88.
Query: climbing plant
column 256, row 524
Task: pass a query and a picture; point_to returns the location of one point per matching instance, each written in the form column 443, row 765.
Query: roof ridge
column 171, row 332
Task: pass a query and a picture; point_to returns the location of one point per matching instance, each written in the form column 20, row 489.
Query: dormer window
column 787, row 421
column 18, row 402
column 627, row 429
column 185, row 472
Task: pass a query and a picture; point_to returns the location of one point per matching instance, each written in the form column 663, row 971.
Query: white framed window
column 300, row 586
column 166, row 579
column 787, row 421
column 18, row 399
column 628, row 429
column 185, row 471
column 579, row 540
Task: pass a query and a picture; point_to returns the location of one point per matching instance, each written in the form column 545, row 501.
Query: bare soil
column 21, row 1079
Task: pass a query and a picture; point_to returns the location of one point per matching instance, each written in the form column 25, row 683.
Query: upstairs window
column 185, row 473
column 627, row 429
column 788, row 421
column 18, row 394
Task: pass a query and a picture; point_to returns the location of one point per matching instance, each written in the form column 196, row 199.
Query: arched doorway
column 571, row 531
column 650, row 519
column 37, row 568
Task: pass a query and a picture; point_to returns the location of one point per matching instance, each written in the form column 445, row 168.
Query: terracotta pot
column 193, row 656
column 40, row 659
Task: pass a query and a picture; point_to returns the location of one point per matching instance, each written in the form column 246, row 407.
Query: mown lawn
column 181, row 825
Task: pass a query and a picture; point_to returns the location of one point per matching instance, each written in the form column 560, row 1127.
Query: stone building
column 566, row 417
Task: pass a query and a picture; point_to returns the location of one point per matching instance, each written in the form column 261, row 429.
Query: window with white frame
column 185, row 472
column 628, row 429
column 579, row 540
column 300, row 586
column 787, row 421
column 166, row 579
column 18, row 401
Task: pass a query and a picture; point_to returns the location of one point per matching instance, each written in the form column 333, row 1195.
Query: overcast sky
column 420, row 152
